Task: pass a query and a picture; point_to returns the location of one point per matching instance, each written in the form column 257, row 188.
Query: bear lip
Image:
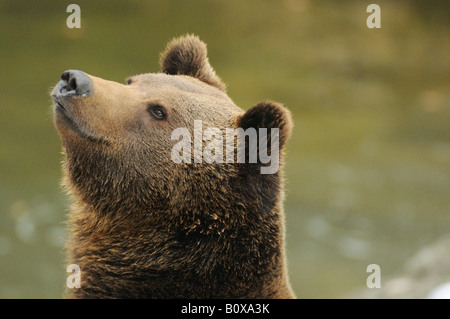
column 59, row 107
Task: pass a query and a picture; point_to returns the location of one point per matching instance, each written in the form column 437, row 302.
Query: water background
column 368, row 165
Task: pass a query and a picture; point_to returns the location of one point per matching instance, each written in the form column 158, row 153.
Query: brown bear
column 144, row 226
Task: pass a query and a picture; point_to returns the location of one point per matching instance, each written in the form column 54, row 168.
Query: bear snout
column 74, row 83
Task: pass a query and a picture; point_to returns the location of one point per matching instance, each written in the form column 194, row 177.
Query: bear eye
column 157, row 111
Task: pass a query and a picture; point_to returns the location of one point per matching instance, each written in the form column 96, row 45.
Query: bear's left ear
column 188, row 55
column 269, row 115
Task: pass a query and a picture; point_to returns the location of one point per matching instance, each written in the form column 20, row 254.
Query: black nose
column 75, row 82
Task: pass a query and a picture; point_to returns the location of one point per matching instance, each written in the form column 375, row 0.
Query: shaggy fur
column 188, row 56
column 143, row 226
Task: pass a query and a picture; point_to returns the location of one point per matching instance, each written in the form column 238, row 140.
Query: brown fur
column 144, row 227
column 188, row 56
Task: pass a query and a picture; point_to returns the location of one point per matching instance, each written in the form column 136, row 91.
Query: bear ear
column 270, row 115
column 271, row 125
column 187, row 55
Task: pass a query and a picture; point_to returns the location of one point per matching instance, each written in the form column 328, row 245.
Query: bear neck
column 144, row 261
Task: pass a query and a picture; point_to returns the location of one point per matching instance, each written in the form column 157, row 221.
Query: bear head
column 118, row 144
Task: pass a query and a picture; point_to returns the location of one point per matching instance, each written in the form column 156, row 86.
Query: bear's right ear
column 188, row 55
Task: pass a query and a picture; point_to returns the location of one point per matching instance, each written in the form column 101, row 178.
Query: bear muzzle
column 73, row 83
column 69, row 93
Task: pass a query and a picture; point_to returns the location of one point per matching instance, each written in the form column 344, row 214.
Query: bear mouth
column 59, row 107
column 66, row 115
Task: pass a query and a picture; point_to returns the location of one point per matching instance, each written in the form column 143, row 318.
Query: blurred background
column 368, row 166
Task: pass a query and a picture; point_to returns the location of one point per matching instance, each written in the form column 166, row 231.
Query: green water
column 368, row 166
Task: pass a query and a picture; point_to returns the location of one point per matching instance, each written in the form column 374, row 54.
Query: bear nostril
column 78, row 81
column 65, row 76
column 72, row 84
